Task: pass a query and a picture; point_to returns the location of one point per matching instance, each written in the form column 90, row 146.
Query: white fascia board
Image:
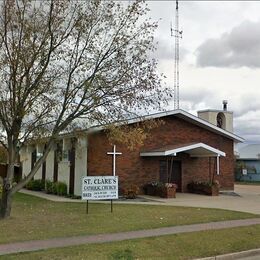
column 203, row 155
column 187, row 148
column 194, row 146
column 182, row 149
column 153, row 154
column 214, row 150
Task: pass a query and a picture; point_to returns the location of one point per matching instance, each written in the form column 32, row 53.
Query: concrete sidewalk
column 245, row 198
column 51, row 197
column 46, row 196
column 253, row 254
column 28, row 246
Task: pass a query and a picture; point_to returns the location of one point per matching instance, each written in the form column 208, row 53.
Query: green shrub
column 61, row 188
column 57, row 188
column 54, row 188
column 17, row 178
column 48, row 186
column 36, row 185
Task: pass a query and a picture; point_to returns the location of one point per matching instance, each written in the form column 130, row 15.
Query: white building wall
column 25, row 158
column 50, row 165
column 211, row 117
column 80, row 164
column 38, row 175
column 64, row 166
column 229, row 122
column 64, row 173
column 204, row 116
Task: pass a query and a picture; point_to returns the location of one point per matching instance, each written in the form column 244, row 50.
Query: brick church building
column 184, row 148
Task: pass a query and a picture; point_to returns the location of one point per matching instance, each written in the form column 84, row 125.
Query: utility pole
column 177, row 35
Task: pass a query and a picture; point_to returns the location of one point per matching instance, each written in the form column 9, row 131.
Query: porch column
column 218, row 164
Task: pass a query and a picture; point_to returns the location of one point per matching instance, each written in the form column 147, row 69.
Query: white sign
column 244, row 171
column 100, row 188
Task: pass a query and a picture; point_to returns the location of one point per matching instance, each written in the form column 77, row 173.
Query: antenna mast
column 177, row 35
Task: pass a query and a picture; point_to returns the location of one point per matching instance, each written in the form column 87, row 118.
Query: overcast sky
column 220, row 57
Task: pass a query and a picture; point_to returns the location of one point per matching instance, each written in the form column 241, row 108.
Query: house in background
column 4, row 165
column 185, row 148
column 248, row 163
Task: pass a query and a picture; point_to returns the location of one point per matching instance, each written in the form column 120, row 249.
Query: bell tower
column 220, row 118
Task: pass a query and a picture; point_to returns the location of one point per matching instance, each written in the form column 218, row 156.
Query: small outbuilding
column 248, row 163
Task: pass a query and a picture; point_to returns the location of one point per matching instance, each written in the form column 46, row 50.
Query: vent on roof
column 225, row 102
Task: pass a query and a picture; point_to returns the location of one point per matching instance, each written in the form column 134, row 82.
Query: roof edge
column 183, row 149
column 177, row 112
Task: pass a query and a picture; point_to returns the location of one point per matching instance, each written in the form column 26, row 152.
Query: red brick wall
column 133, row 169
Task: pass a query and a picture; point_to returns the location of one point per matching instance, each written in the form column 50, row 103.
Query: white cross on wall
column 114, row 153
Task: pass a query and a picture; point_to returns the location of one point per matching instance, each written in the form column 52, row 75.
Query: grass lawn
column 180, row 246
column 35, row 218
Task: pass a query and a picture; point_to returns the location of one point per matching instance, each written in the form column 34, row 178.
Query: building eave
column 203, row 149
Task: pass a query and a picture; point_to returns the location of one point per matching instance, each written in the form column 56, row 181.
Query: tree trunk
column 6, row 201
column 5, row 205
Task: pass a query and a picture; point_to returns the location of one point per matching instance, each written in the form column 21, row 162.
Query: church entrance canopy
column 193, row 149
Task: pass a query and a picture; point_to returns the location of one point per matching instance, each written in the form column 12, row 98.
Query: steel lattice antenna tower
column 177, row 35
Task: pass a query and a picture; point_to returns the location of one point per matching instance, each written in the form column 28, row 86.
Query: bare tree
column 65, row 62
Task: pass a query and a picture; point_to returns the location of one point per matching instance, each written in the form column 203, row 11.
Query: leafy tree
column 65, row 64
